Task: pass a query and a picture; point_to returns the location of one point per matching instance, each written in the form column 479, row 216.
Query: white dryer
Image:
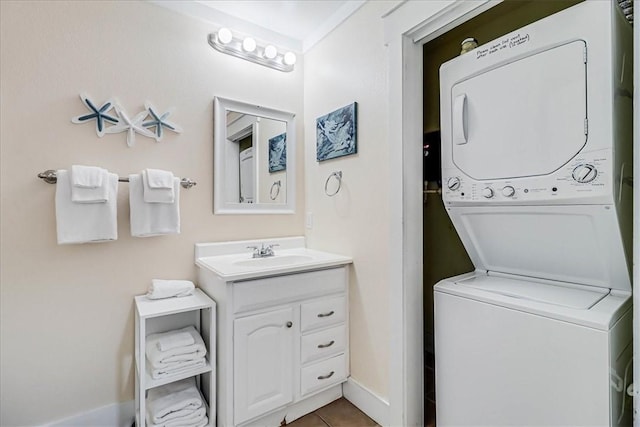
column 536, row 149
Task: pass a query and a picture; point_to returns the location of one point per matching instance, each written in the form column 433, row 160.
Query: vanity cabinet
column 283, row 344
column 162, row 315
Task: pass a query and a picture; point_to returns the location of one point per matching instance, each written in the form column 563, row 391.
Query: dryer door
column 523, row 118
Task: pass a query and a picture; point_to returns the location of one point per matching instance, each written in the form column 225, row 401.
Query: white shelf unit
column 154, row 316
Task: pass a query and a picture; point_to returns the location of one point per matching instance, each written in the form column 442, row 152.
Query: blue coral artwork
column 99, row 114
column 336, row 133
column 278, row 153
column 159, row 121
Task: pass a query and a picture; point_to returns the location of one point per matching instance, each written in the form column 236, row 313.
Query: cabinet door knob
column 326, row 314
column 289, row 324
column 324, row 377
column 329, row 344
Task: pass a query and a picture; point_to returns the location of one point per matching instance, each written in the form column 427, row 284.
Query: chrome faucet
column 263, row 251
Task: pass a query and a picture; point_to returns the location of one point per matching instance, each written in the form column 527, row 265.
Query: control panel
column 587, row 176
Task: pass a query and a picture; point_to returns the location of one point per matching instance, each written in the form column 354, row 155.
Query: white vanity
column 282, row 329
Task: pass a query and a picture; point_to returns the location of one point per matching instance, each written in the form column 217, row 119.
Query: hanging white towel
column 173, row 357
column 85, row 222
column 160, row 289
column 157, row 178
column 87, row 176
column 152, row 219
column 89, row 184
column 173, row 400
column 158, row 186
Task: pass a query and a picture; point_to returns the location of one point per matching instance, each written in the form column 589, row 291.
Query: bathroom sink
column 276, row 260
column 240, row 265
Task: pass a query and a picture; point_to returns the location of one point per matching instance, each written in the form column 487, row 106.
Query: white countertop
column 242, row 266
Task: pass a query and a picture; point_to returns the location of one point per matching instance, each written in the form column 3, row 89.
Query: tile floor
column 339, row 413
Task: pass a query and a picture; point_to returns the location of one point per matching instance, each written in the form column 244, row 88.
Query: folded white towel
column 89, row 184
column 169, row 288
column 198, row 419
column 152, row 219
column 179, row 415
column 173, row 400
column 179, row 339
column 173, row 357
column 85, row 222
column 179, row 368
column 158, row 186
column 87, row 176
column 192, row 420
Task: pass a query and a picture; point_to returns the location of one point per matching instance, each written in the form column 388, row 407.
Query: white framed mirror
column 254, row 159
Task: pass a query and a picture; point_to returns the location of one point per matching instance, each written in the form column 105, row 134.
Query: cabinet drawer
column 322, row 344
column 255, row 294
column 323, row 312
column 323, row 374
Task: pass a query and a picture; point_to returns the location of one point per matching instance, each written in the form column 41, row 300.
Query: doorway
column 443, row 253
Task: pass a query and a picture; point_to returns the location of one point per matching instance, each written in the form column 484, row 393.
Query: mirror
column 254, row 159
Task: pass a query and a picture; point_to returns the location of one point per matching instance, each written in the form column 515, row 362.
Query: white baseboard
column 367, row 401
column 122, row 414
column 114, row 415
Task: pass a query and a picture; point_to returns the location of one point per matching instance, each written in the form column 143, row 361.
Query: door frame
column 407, row 27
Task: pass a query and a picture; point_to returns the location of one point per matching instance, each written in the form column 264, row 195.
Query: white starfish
column 131, row 126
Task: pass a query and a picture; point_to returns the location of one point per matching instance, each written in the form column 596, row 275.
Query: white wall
column 349, row 65
column 66, row 311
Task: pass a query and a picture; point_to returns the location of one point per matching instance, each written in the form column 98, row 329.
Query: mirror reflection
column 254, row 164
column 262, row 158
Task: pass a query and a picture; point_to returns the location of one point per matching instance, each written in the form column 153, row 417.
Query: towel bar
column 49, row 176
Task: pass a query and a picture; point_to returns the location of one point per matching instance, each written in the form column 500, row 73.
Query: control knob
column 487, row 193
column 508, row 191
column 453, row 183
column 584, row 173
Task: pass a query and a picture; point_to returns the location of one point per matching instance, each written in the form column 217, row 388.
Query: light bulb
column 249, row 44
column 270, row 52
column 289, row 58
column 224, row 35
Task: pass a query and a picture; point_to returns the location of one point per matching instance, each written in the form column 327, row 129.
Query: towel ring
column 275, row 185
column 337, row 175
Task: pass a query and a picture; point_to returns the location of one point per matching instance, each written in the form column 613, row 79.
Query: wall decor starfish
column 159, row 121
column 99, row 114
column 131, row 126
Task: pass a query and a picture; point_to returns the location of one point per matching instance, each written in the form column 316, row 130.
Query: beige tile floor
column 339, row 413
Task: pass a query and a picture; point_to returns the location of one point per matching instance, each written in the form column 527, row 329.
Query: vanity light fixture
column 247, row 47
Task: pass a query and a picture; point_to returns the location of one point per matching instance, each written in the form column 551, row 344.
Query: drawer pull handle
column 326, row 345
column 326, row 314
column 289, row 324
column 324, row 377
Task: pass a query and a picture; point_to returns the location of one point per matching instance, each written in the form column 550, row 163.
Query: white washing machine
column 536, row 153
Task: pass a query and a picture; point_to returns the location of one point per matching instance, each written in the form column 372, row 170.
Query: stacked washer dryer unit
column 536, row 157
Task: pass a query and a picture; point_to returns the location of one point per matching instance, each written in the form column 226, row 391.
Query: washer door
column 523, row 118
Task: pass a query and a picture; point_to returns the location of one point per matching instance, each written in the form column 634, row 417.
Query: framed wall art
column 336, row 133
column 278, row 153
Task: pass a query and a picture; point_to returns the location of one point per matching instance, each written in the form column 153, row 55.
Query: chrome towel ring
column 337, row 175
column 277, row 184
